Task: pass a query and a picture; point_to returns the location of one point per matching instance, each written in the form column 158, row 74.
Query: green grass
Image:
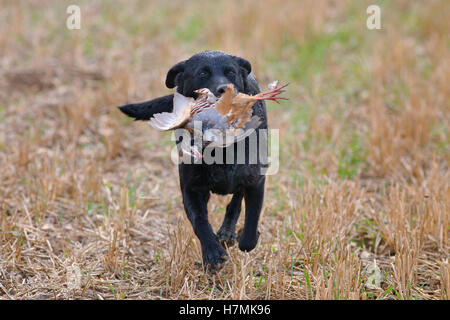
column 189, row 31
column 352, row 157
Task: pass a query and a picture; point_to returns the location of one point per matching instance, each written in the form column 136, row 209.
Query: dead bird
column 223, row 120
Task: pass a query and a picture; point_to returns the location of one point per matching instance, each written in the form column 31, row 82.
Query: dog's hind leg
column 226, row 233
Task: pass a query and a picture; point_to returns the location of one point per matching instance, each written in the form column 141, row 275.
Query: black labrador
column 244, row 179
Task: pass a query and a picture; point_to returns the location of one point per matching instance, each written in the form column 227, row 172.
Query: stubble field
column 90, row 206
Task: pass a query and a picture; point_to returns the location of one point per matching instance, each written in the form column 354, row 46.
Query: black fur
column 213, row 70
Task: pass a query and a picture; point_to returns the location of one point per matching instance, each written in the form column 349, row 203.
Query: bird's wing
column 171, row 120
column 241, row 110
column 181, row 102
column 163, row 121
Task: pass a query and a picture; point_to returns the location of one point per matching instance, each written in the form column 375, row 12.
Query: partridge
column 223, row 120
column 230, row 119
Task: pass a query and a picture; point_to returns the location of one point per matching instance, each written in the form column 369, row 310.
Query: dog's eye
column 203, row 73
column 230, row 72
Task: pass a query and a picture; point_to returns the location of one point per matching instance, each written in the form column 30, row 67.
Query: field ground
column 90, row 206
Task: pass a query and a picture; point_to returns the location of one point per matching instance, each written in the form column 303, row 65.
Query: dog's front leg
column 195, row 205
column 226, row 233
column 253, row 196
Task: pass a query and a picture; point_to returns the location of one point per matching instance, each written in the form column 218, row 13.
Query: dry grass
column 90, row 208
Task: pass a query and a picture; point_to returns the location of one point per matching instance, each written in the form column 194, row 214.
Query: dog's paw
column 214, row 257
column 247, row 243
column 226, row 237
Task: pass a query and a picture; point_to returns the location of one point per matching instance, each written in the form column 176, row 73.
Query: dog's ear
column 245, row 66
column 174, row 73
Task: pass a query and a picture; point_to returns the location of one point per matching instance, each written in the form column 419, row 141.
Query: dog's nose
column 220, row 89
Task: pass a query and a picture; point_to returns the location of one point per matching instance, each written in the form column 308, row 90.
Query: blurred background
column 89, row 200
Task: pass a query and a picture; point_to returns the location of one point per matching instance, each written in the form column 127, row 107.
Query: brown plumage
column 230, row 115
column 184, row 108
column 238, row 107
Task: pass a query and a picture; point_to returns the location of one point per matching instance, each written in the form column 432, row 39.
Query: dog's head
column 209, row 69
